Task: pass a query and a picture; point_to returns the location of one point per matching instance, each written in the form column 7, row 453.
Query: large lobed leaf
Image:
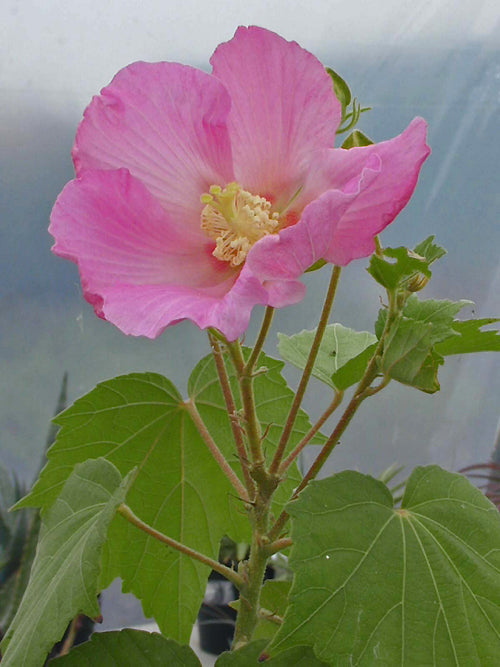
column 129, row 647
column 64, row 580
column 374, row 584
column 140, row 420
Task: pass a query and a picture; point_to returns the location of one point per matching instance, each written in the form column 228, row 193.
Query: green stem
column 363, row 390
column 215, row 451
column 268, row 615
column 306, row 375
column 252, row 572
column 252, row 424
column 279, row 545
column 71, row 636
column 226, row 572
column 309, row 436
column 232, row 414
column 259, row 343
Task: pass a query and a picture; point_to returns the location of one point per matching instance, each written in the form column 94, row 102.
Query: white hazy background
column 54, row 55
column 66, row 50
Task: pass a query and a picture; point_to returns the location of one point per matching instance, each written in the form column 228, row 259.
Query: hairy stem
column 215, row 451
column 252, row 424
column 306, row 375
column 232, row 413
column 226, row 572
column 268, row 615
column 309, row 436
column 259, row 343
column 363, row 390
column 252, row 572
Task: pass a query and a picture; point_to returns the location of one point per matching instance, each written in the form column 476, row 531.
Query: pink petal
column 145, row 310
column 291, row 252
column 377, row 206
column 283, row 107
column 138, row 269
column 109, row 223
column 372, row 184
column 165, row 123
column 281, row 293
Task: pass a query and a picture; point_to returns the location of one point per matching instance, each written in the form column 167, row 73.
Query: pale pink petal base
column 117, row 232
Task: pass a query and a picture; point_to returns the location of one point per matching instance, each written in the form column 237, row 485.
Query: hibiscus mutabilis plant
column 199, row 196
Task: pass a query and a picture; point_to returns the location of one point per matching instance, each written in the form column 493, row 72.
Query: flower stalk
column 363, row 390
column 306, row 375
column 225, row 571
column 232, row 413
column 215, row 451
column 337, row 400
column 259, row 343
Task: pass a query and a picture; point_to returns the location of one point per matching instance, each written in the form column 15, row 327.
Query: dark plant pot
column 216, row 619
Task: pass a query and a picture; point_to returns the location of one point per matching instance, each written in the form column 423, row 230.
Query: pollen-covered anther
column 236, row 219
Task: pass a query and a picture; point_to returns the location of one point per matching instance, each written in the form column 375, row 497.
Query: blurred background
column 436, row 58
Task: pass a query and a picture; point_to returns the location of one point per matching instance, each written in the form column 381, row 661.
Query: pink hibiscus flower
column 199, row 196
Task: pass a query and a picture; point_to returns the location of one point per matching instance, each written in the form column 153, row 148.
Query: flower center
column 236, row 219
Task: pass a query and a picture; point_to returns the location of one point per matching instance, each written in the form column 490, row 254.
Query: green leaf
column 65, row 575
column 409, row 354
column 471, row 338
column 339, row 346
column 140, row 420
column 429, row 250
column 352, row 372
column 298, row 656
column 439, row 313
column 413, row 586
column 393, row 274
column 341, row 89
column 247, row 655
column 273, row 599
column 356, row 139
column 129, row 647
column 273, row 400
